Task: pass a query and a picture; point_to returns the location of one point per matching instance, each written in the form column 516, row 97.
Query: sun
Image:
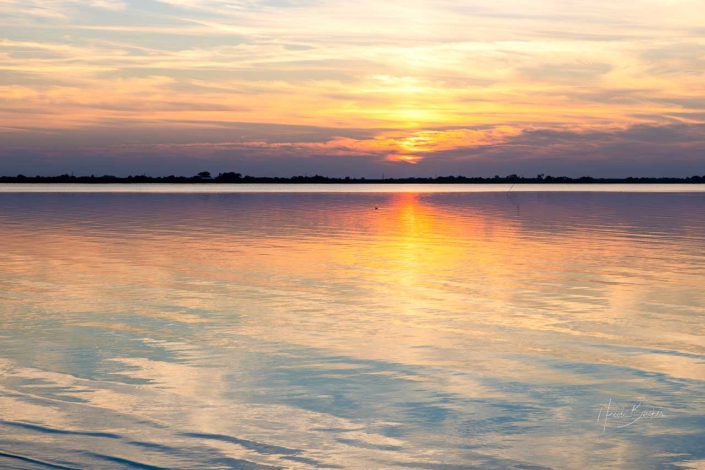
column 413, row 159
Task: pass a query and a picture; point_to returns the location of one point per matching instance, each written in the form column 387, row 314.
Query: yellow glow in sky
column 436, row 82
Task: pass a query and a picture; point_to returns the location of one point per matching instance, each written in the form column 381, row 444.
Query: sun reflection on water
column 303, row 330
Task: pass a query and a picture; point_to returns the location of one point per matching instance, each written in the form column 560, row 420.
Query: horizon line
column 237, row 178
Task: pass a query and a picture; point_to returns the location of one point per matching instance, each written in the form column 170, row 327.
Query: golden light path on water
column 351, row 330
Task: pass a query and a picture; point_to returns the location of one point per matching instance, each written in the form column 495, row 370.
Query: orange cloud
column 409, row 147
column 421, row 78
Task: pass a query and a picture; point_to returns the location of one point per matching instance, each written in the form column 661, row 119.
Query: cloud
column 55, row 9
column 638, row 150
column 421, row 78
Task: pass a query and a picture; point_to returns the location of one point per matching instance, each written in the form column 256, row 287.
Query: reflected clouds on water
column 309, row 330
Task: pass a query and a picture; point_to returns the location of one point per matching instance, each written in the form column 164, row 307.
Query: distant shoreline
column 149, row 188
column 236, row 178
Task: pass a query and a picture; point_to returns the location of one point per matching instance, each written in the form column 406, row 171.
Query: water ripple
column 308, row 330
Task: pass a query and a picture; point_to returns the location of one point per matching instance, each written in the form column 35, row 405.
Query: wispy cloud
column 423, row 78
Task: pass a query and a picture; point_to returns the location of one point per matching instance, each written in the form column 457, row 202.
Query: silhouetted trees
column 204, row 177
column 230, row 177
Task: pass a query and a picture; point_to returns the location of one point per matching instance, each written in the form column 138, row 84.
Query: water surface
column 431, row 330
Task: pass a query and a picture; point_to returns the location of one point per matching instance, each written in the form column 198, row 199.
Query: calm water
column 309, row 330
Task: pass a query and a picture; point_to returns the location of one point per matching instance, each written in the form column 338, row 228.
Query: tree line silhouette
column 205, row 177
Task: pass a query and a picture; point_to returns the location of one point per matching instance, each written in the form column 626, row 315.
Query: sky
column 353, row 88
